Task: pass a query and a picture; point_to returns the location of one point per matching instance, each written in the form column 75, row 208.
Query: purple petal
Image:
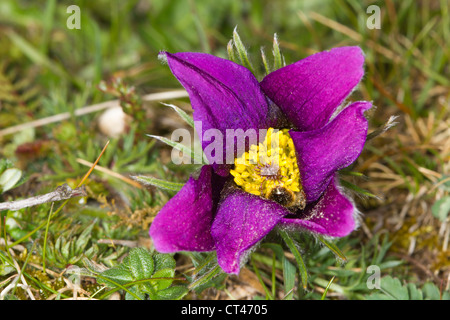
column 223, row 94
column 321, row 152
column 184, row 223
column 310, row 90
column 242, row 220
column 333, row 215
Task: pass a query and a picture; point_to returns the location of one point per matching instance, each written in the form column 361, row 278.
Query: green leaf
column 278, row 60
column 289, row 272
column 141, row 263
column 327, row 288
column 172, row 293
column 265, row 63
column 164, row 261
column 242, row 52
column 195, row 157
column 330, row 245
column 83, row 239
column 163, row 283
column 137, row 291
column 431, row 292
column 393, row 288
column 118, row 274
column 414, row 293
column 163, row 184
column 9, row 179
column 207, row 276
column 230, row 50
column 182, row 114
column 298, row 257
column 441, row 208
column 357, row 189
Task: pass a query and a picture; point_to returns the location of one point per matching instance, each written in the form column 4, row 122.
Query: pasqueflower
column 229, row 208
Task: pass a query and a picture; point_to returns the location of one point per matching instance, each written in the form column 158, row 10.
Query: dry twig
column 63, row 192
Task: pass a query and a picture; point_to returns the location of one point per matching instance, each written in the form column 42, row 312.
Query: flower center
column 270, row 170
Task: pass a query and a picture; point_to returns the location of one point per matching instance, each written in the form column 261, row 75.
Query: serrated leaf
column 163, row 273
column 141, row 263
column 164, row 261
column 136, row 290
column 117, row 274
column 172, row 293
column 441, row 208
column 391, row 289
column 163, row 184
column 414, row 293
column 431, row 292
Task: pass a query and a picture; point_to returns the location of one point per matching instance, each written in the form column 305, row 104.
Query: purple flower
column 220, row 211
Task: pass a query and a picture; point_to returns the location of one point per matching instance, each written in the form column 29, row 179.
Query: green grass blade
column 333, row 248
column 195, row 157
column 230, row 50
column 266, row 290
column 242, row 52
column 278, row 63
column 265, row 62
column 162, row 184
column 326, row 289
column 181, row 113
column 298, row 257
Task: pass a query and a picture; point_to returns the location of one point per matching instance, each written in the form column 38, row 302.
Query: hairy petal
column 184, row 223
column 242, row 220
column 321, row 152
column 332, row 215
column 310, row 90
column 223, row 94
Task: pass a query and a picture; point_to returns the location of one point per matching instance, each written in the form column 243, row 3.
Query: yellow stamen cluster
column 267, row 165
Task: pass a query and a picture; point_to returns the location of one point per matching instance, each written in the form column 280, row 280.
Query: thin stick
column 62, row 206
column 111, row 173
column 61, row 193
column 89, row 109
column 93, row 165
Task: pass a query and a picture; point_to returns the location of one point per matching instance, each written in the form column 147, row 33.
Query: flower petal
column 223, row 94
column 184, row 223
column 332, row 215
column 242, row 220
column 321, row 152
column 310, row 90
